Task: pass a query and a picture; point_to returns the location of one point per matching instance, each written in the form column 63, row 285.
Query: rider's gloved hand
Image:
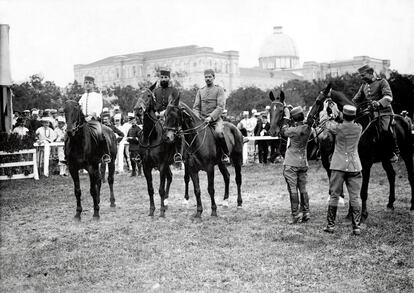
column 376, row 104
column 208, row 119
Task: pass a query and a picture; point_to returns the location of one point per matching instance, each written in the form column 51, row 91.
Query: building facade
column 278, row 63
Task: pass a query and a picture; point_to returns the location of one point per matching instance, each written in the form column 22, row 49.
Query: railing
column 250, row 145
column 21, row 163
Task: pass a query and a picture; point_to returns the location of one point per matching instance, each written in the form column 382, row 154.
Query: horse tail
column 404, row 134
column 236, row 139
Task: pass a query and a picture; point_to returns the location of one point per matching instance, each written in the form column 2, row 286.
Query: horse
column 153, row 151
column 201, row 151
column 372, row 147
column 85, row 152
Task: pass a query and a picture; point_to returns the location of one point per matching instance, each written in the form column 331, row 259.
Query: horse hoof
column 166, row 202
column 214, row 214
column 96, row 217
column 151, row 214
column 162, row 215
column 239, row 207
column 77, row 217
column 225, row 203
column 113, row 205
column 390, row 207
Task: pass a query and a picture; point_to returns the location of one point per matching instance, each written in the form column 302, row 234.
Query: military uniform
column 134, row 134
column 163, row 96
column 296, row 167
column 346, row 167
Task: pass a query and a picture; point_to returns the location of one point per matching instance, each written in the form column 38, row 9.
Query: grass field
column 253, row 249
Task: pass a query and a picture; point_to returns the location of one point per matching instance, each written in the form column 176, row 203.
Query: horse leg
column 102, row 167
column 168, row 177
column 75, row 176
column 95, row 185
column 211, row 191
column 197, row 192
column 226, row 178
column 161, row 190
column 237, row 163
column 111, row 172
column 366, row 171
column 408, row 160
column 150, row 188
column 186, row 181
column 389, row 170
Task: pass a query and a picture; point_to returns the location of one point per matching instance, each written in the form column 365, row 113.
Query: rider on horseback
column 209, row 104
column 164, row 94
column 378, row 91
column 91, row 104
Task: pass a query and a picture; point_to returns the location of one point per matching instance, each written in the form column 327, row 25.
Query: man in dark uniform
column 295, row 165
column 133, row 136
column 345, row 165
column 262, row 129
column 378, row 91
column 209, row 104
column 106, row 120
column 164, row 94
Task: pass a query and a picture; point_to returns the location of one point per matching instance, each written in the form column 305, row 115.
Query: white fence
column 32, row 162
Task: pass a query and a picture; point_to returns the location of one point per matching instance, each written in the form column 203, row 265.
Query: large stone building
column 278, row 63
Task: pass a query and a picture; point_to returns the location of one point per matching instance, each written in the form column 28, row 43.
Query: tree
column 244, row 99
column 127, row 97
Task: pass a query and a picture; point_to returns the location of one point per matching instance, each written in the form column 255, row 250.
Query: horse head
column 173, row 120
column 146, row 101
column 277, row 109
column 74, row 117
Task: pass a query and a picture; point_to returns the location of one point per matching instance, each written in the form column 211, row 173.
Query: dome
column 278, row 44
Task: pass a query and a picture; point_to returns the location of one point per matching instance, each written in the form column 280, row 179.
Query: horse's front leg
column 75, row 176
column 238, row 177
column 366, row 171
column 111, row 172
column 197, row 192
column 95, row 188
column 150, row 188
column 389, row 170
column 161, row 189
column 168, row 177
column 210, row 188
column 186, row 181
column 226, row 178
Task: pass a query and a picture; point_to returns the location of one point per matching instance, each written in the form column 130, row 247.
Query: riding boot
column 66, row 150
column 356, row 219
column 106, row 158
column 304, row 206
column 294, row 207
column 394, row 145
column 223, row 145
column 330, row 228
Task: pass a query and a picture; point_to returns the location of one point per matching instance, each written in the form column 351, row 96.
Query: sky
column 49, row 36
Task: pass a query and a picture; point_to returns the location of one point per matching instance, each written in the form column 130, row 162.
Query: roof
column 278, row 45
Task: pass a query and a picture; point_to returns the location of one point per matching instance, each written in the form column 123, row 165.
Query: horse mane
column 190, row 112
column 340, row 99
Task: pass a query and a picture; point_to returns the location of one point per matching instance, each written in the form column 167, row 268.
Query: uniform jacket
column 375, row 91
column 134, row 133
column 163, row 96
column 209, row 101
column 296, row 154
column 345, row 157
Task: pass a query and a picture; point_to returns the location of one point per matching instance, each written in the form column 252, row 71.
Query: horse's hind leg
column 161, row 190
column 226, row 178
column 111, row 172
column 210, row 188
column 366, row 172
column 102, row 168
column 407, row 156
column 186, row 181
column 237, row 162
column 386, row 164
column 197, row 192
column 75, row 176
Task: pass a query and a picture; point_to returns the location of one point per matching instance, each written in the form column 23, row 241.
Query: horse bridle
column 78, row 123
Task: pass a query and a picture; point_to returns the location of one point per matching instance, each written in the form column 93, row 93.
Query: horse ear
column 271, row 96
column 282, row 96
column 327, row 89
column 151, row 88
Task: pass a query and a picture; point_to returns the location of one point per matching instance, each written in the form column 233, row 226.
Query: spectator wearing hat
column 106, row 120
column 125, row 128
column 378, row 92
column 118, row 114
column 243, row 123
column 262, row 129
column 19, row 128
column 209, row 104
column 295, row 165
column 60, row 132
column 345, row 165
column 45, row 133
column 252, row 122
column 92, row 104
column 34, row 122
column 134, row 134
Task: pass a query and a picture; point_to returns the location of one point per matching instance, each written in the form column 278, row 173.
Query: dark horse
column 153, row 151
column 373, row 147
column 85, row 152
column 201, row 152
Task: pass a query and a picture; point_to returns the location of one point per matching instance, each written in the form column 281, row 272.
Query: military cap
column 165, row 72
column 365, row 68
column 296, row 111
column 209, row 71
column 89, row 78
column 349, row 110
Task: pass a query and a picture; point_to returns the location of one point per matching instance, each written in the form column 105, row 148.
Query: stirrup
column 225, row 159
column 178, row 158
column 394, row 158
column 106, row 159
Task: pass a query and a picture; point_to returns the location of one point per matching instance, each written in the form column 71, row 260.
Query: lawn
column 254, row 249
